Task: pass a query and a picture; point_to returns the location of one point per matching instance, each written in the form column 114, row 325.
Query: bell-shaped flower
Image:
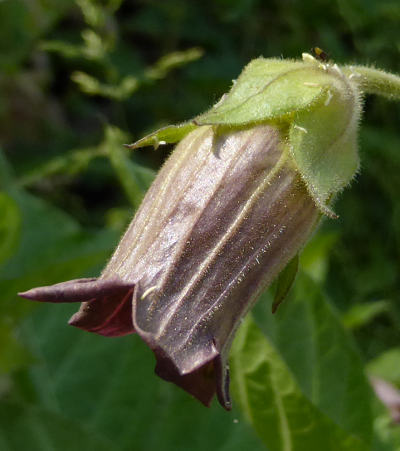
column 233, row 205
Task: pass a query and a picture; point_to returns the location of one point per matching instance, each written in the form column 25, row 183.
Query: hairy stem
column 375, row 81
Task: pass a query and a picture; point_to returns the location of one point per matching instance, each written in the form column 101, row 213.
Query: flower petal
column 106, row 303
column 222, row 219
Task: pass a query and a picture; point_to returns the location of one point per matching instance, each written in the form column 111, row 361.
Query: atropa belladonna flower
column 233, row 205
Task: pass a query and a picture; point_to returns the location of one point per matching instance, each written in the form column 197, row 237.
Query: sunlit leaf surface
column 273, row 402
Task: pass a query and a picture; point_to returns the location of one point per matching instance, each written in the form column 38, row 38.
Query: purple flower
column 225, row 215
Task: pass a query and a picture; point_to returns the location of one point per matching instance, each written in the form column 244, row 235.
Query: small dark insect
column 319, row 54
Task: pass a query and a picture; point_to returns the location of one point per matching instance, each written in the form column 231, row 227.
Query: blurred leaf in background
column 275, row 405
column 80, row 79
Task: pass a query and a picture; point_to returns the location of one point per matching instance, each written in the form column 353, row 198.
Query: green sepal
column 166, row 135
column 284, row 282
column 323, row 143
column 319, row 106
column 268, row 90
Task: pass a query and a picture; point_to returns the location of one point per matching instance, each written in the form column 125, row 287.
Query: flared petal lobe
column 106, row 304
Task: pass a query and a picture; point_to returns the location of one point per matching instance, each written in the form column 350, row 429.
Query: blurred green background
column 80, row 78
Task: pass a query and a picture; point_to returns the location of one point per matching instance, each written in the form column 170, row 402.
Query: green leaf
column 387, row 434
column 268, row 89
column 92, row 86
column 314, row 259
column 63, row 48
column 94, row 13
column 51, row 247
column 39, row 245
column 13, row 355
column 285, row 282
column 109, row 388
column 273, row 402
column 6, row 173
column 10, row 222
column 27, row 427
column 386, row 366
column 171, row 61
column 312, row 341
column 359, row 315
column 20, row 26
column 170, row 134
column 386, row 406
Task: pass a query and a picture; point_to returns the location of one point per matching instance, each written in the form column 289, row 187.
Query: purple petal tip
column 30, row 294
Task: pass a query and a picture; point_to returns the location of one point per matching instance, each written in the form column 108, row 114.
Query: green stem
column 73, row 162
column 375, row 81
